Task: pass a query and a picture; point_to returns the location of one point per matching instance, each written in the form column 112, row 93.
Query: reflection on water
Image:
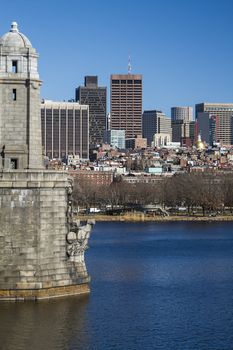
column 154, row 286
column 54, row 324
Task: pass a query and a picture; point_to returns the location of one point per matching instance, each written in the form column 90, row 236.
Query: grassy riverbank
column 140, row 217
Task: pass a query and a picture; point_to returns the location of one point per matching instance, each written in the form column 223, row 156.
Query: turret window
column 14, row 94
column 14, row 66
column 14, row 163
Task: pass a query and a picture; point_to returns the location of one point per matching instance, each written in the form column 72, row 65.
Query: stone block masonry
column 35, row 221
column 41, row 248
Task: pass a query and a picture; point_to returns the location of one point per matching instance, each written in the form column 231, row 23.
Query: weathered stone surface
column 33, row 237
column 35, row 215
column 44, row 293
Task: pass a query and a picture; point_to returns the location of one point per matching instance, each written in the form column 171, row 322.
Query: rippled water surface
column 154, row 286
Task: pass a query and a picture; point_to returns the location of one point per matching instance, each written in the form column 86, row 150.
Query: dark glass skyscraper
column 96, row 98
column 155, row 122
column 208, row 127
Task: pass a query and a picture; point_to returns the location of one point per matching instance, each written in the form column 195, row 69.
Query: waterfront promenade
column 140, row 217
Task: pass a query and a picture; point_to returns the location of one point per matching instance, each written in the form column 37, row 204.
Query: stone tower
column 42, row 248
column 20, row 128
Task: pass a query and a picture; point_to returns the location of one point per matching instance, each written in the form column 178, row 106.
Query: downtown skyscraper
column 126, row 103
column 96, row 98
column 223, row 114
column 155, row 122
column 182, row 113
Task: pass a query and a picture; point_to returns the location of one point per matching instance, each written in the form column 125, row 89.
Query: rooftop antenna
column 129, row 65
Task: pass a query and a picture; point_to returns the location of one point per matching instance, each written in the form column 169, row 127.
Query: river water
column 154, row 286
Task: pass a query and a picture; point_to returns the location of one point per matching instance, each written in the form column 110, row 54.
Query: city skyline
column 181, row 49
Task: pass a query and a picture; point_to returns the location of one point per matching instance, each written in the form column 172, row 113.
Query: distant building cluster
column 81, row 135
column 79, row 127
column 130, row 144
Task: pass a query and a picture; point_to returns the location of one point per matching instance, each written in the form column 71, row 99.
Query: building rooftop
column 14, row 38
column 62, row 104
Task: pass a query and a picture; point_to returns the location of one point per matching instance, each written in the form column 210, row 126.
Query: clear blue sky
column 183, row 48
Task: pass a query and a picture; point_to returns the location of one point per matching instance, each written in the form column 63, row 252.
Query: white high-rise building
column 65, row 129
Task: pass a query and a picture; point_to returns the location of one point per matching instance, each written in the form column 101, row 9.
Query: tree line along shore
column 191, row 196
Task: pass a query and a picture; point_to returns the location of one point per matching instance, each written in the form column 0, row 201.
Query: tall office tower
column 65, row 129
column 182, row 113
column 126, row 103
column 182, row 129
column 155, row 122
column 224, row 114
column 96, row 98
column 207, row 127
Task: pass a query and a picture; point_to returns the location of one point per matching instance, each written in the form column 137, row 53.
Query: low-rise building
column 136, row 143
column 115, row 138
column 161, row 140
column 93, row 177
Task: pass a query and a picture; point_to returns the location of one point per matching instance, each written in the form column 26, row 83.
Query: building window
column 14, row 67
column 14, row 94
column 14, row 163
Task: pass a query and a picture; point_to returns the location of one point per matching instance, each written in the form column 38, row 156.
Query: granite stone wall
column 20, row 121
column 34, row 223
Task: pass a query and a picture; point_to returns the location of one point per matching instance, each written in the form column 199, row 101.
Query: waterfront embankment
column 140, row 217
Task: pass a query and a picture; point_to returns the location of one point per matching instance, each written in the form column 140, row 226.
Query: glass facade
column 223, row 112
column 155, row 122
column 96, row 98
column 115, row 138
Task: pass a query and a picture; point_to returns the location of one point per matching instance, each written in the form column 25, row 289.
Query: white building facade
column 65, row 129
